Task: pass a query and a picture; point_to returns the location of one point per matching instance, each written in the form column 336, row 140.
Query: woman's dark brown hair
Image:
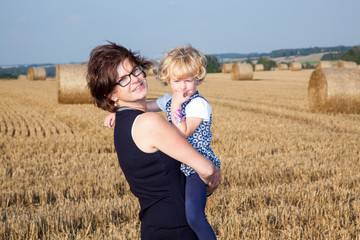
column 102, row 71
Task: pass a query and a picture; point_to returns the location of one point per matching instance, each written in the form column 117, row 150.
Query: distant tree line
column 352, row 54
column 306, row 51
column 285, row 52
column 240, row 55
column 14, row 72
column 331, row 56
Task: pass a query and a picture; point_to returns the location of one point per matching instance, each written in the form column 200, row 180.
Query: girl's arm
column 109, row 120
column 167, row 139
column 152, row 106
column 190, row 124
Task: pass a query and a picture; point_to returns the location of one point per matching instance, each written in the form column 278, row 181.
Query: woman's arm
column 151, row 133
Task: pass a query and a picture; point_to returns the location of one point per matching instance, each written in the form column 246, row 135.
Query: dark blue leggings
column 195, row 202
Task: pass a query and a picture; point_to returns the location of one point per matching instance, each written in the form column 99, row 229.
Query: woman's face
column 135, row 91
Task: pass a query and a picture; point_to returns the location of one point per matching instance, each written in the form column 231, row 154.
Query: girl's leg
column 195, row 201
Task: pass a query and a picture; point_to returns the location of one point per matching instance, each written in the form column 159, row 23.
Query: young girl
column 183, row 68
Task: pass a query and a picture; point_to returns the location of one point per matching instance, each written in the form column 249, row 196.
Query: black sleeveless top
column 156, row 180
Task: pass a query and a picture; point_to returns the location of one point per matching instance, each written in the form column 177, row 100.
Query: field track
column 287, row 173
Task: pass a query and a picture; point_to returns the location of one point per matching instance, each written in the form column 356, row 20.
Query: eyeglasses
column 125, row 80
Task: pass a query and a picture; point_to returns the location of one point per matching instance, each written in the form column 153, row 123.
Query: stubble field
column 287, row 173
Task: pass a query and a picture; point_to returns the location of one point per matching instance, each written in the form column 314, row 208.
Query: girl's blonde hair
column 182, row 62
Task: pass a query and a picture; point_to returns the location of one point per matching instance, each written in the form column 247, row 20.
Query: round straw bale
column 36, row 73
column 226, row 68
column 71, row 83
column 242, row 71
column 22, row 77
column 283, row 66
column 259, row 67
column 324, row 64
column 334, row 90
column 346, row 64
column 295, row 66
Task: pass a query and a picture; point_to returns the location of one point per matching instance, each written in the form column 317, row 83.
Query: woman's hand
column 210, row 188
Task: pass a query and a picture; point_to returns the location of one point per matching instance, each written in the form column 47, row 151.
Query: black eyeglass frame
column 129, row 76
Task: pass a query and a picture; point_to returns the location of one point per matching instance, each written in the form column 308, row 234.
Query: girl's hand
column 179, row 98
column 109, row 120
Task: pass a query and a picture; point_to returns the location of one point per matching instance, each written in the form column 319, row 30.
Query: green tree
column 308, row 65
column 212, row 64
column 352, row 55
column 50, row 71
column 331, row 56
column 12, row 72
column 267, row 62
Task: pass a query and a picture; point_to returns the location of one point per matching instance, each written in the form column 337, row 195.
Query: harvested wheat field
column 287, row 173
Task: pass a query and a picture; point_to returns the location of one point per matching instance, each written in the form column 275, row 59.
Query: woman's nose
column 134, row 79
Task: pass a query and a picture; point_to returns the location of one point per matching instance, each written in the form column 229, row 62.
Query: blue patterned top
column 200, row 139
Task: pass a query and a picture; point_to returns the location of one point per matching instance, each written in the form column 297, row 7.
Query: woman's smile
column 139, row 87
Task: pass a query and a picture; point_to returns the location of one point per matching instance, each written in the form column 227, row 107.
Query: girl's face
column 187, row 86
column 135, row 91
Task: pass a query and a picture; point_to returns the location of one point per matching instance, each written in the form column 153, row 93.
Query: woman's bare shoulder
column 150, row 121
column 149, row 130
column 150, row 117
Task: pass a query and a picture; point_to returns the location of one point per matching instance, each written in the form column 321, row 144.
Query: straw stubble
column 287, row 173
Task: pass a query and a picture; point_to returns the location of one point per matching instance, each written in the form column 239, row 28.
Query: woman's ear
column 114, row 99
column 113, row 96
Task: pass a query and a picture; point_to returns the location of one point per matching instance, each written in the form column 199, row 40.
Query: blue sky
column 64, row 31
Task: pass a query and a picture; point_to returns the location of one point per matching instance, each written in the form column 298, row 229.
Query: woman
column 146, row 144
